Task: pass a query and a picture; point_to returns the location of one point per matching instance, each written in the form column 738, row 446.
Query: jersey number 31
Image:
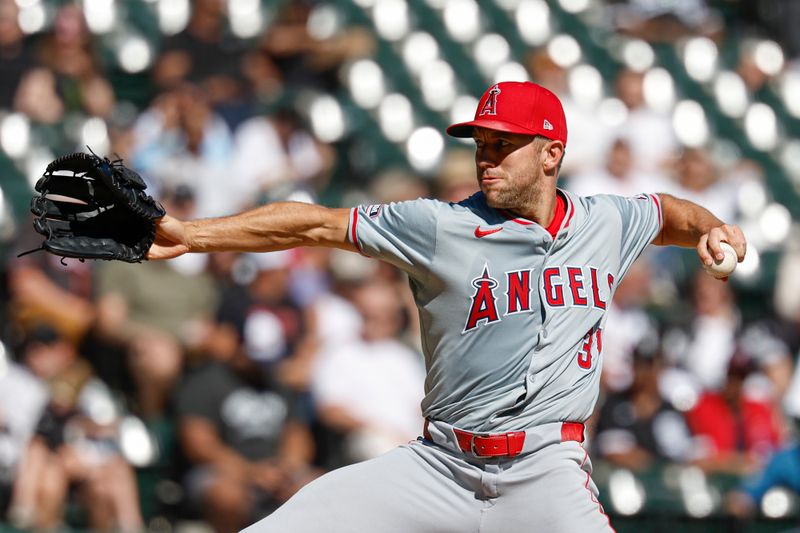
column 593, row 338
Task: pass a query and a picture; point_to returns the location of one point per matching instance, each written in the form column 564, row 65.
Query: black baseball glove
column 92, row 208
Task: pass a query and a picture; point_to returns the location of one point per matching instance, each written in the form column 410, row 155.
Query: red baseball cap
column 517, row 107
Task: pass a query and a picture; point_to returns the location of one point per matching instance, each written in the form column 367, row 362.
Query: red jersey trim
column 353, row 236
column 657, row 201
column 558, row 217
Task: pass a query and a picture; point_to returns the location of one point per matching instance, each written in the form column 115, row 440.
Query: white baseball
column 725, row 267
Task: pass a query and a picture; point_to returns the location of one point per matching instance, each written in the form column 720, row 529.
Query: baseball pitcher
column 512, row 286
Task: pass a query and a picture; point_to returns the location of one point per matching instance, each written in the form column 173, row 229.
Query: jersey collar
column 565, row 210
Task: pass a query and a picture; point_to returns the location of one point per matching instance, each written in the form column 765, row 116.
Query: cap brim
column 464, row 129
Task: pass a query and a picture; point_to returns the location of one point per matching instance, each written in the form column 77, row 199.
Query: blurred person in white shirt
column 370, row 390
column 617, row 176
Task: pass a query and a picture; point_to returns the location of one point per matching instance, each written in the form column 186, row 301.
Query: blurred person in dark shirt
column 638, row 428
column 148, row 316
column 206, row 54
column 68, row 51
column 15, row 53
column 275, row 330
column 75, row 446
column 243, row 434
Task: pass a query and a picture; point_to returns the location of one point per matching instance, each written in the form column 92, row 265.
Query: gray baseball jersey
column 512, row 313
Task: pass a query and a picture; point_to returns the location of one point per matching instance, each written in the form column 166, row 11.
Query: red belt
column 503, row 444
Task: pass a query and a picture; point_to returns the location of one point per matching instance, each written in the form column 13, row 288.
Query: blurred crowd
column 211, row 388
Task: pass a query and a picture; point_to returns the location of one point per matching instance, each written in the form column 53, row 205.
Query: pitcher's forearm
column 684, row 222
column 277, row 226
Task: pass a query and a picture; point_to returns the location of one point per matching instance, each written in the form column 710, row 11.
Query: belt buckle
column 472, row 438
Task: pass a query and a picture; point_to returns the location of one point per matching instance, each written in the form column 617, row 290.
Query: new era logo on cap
column 526, row 108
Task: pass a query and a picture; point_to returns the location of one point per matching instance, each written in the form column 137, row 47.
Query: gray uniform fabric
column 512, row 324
column 520, row 369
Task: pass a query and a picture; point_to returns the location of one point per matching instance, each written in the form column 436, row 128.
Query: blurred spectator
column 295, row 54
column 147, row 315
column 68, row 52
column 735, row 431
column 628, row 325
column 648, row 132
column 338, row 321
column 665, row 20
column 275, row 331
column 618, row 176
column 243, row 434
column 457, row 179
column 370, row 390
column 43, row 289
column 712, row 336
column 786, row 296
column 278, row 152
column 782, row 470
column 38, row 98
column 397, row 185
column 204, row 54
column 18, row 419
column 15, row 53
column 697, row 178
column 586, row 147
column 179, row 140
column 75, row 445
column 637, row 428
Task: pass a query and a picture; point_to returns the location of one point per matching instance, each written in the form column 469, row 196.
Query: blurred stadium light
column 101, row 15
column 419, row 50
column 510, row 71
column 324, row 22
column 424, row 149
column 438, row 84
column 731, row 94
column 391, row 19
column 761, row 126
column 700, row 56
column 134, row 54
column 491, row 51
column 778, row 502
column 659, row 89
column 586, row 85
column 15, row 133
column 690, row 123
column 462, row 19
column 246, row 18
column 327, row 118
column 32, row 17
column 699, row 498
column 564, row 50
column 173, row 15
column 366, row 83
column 638, row 55
column 136, row 443
column 533, row 22
column 612, row 112
column 626, row 492
column 396, row 117
column 768, row 57
column 94, row 133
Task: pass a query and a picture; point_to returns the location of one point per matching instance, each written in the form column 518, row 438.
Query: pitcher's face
column 508, row 167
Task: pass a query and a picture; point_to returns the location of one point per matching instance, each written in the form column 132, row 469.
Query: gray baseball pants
column 424, row 487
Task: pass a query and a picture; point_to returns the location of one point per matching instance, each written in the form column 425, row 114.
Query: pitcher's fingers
column 714, row 240
column 702, row 251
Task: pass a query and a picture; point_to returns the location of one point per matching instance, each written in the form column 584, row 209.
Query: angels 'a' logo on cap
column 490, row 106
column 547, row 125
